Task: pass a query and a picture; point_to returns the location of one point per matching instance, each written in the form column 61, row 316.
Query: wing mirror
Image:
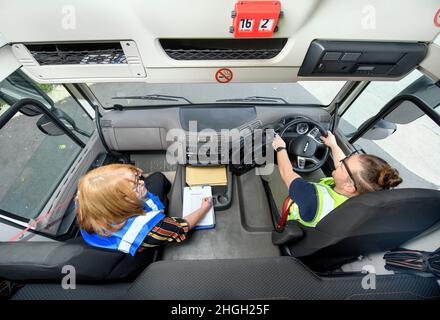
column 47, row 126
column 31, row 107
column 380, row 130
column 30, row 110
column 406, row 112
column 419, row 99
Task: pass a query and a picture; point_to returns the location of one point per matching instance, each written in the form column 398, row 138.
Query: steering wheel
column 308, row 151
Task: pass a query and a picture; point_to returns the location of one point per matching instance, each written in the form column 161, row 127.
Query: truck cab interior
column 94, row 85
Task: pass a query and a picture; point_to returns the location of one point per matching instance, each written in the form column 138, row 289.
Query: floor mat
column 240, row 231
column 154, row 162
column 151, row 162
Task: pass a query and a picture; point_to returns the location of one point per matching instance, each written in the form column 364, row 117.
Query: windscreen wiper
column 254, row 99
column 155, row 97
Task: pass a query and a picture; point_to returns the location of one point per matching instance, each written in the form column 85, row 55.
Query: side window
column 413, row 148
column 33, row 163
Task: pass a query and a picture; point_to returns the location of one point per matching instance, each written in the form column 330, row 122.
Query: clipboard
column 192, row 199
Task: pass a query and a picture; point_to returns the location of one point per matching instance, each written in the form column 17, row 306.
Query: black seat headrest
column 45, row 261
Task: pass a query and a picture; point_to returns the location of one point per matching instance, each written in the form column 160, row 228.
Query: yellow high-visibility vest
column 328, row 200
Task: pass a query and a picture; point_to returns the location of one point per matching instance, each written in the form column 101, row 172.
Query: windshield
column 132, row 94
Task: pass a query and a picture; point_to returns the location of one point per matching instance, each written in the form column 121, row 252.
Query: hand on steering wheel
column 308, row 151
column 329, row 140
column 278, row 142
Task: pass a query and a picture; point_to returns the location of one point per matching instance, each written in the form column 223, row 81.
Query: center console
column 243, row 225
column 221, row 195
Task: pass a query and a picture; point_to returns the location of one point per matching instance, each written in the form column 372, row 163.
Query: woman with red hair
column 118, row 210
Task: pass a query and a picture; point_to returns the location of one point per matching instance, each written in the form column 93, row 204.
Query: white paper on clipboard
column 192, row 200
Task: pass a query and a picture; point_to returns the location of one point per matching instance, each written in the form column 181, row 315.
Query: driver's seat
column 373, row 222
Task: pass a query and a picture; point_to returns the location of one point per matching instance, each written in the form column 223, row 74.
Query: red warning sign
column 255, row 19
column 223, row 75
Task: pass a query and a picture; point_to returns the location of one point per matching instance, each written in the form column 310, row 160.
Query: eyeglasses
column 137, row 178
column 348, row 170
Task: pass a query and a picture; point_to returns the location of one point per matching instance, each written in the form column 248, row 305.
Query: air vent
column 222, row 49
column 77, row 53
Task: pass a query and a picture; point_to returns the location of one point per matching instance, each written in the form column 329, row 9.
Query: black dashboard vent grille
column 222, row 49
column 207, row 54
column 77, row 53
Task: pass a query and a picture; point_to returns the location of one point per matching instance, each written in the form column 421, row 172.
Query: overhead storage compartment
column 76, row 60
column 361, row 58
column 77, row 53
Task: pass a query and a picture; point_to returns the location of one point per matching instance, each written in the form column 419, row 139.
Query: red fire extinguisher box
column 255, row 19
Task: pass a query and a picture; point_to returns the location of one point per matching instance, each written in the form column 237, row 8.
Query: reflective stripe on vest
column 328, row 200
column 129, row 238
column 137, row 229
column 153, row 203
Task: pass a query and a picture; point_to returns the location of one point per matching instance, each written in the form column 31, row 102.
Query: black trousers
column 159, row 185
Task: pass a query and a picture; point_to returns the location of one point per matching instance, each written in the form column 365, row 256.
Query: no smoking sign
column 223, row 75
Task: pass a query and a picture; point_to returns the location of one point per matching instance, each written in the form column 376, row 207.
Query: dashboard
column 218, row 146
column 154, row 129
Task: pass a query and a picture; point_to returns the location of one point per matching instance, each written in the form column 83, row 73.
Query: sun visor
column 361, row 59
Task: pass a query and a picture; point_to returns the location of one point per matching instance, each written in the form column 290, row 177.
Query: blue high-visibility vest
column 130, row 236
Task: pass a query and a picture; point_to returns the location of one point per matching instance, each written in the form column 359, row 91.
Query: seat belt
column 285, row 213
column 33, row 223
